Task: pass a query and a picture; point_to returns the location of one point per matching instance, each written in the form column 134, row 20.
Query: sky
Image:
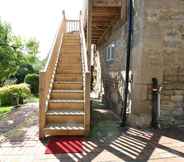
column 38, row 18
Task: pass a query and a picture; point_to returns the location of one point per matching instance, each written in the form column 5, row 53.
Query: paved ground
column 107, row 142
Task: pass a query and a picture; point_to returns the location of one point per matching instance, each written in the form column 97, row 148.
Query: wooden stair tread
column 66, row 101
column 65, row 126
column 67, row 91
column 65, row 112
column 67, row 82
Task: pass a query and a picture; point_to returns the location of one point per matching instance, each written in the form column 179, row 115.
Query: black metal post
column 124, row 108
column 155, row 103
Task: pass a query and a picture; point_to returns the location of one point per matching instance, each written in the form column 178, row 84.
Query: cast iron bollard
column 155, row 103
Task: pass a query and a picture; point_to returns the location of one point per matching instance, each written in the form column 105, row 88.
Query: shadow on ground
column 107, row 142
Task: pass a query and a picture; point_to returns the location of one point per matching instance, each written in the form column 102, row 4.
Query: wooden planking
column 56, row 119
column 106, row 11
column 102, row 19
column 107, row 3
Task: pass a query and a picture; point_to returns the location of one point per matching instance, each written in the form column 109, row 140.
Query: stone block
column 177, row 98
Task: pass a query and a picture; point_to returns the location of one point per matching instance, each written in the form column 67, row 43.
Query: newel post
column 42, row 104
column 64, row 21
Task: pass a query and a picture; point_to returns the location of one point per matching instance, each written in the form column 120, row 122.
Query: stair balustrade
column 47, row 75
column 72, row 25
column 86, row 76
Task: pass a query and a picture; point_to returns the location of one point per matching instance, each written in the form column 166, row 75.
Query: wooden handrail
column 83, row 42
column 86, row 77
column 47, row 75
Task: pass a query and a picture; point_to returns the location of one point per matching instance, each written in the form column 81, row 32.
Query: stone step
column 67, row 94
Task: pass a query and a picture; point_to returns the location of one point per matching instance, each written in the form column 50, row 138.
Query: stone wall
column 158, row 52
column 113, row 71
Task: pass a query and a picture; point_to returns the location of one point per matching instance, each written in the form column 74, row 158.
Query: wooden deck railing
column 47, row 75
column 72, row 25
column 86, row 76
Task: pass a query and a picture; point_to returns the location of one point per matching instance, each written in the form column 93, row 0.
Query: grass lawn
column 5, row 110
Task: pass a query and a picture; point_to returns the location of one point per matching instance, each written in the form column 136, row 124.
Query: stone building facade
column 113, row 71
column 157, row 52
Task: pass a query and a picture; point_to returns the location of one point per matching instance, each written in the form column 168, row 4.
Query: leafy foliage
column 33, row 81
column 17, row 54
column 14, row 94
column 23, row 70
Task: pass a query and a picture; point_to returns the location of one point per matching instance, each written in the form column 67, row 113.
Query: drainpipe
column 129, row 43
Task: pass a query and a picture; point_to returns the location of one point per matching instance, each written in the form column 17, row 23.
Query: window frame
column 109, row 52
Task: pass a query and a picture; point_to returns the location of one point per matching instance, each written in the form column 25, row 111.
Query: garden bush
column 33, row 81
column 23, row 71
column 14, row 94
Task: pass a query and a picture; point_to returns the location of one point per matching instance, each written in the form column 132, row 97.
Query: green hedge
column 33, row 81
column 14, row 94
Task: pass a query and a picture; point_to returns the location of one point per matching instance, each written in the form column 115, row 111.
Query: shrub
column 23, row 71
column 14, row 94
column 33, row 81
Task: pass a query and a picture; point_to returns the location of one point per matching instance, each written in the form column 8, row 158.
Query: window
column 109, row 52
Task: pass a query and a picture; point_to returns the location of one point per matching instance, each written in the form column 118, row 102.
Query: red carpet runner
column 64, row 145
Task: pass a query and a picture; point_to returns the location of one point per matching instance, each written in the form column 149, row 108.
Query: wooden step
column 71, row 55
column 71, row 40
column 67, row 85
column 67, row 94
column 64, row 118
column 68, row 77
column 69, row 43
column 72, row 46
column 64, row 129
column 69, row 36
column 68, row 51
column 74, row 33
column 69, row 60
column 63, row 70
column 66, row 126
column 69, row 67
column 66, row 104
column 65, row 112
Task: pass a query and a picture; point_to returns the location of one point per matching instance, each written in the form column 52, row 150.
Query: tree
column 10, row 52
column 16, row 54
column 31, row 48
column 33, row 81
column 22, row 71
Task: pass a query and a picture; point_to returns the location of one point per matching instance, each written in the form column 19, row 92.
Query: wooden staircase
column 65, row 84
